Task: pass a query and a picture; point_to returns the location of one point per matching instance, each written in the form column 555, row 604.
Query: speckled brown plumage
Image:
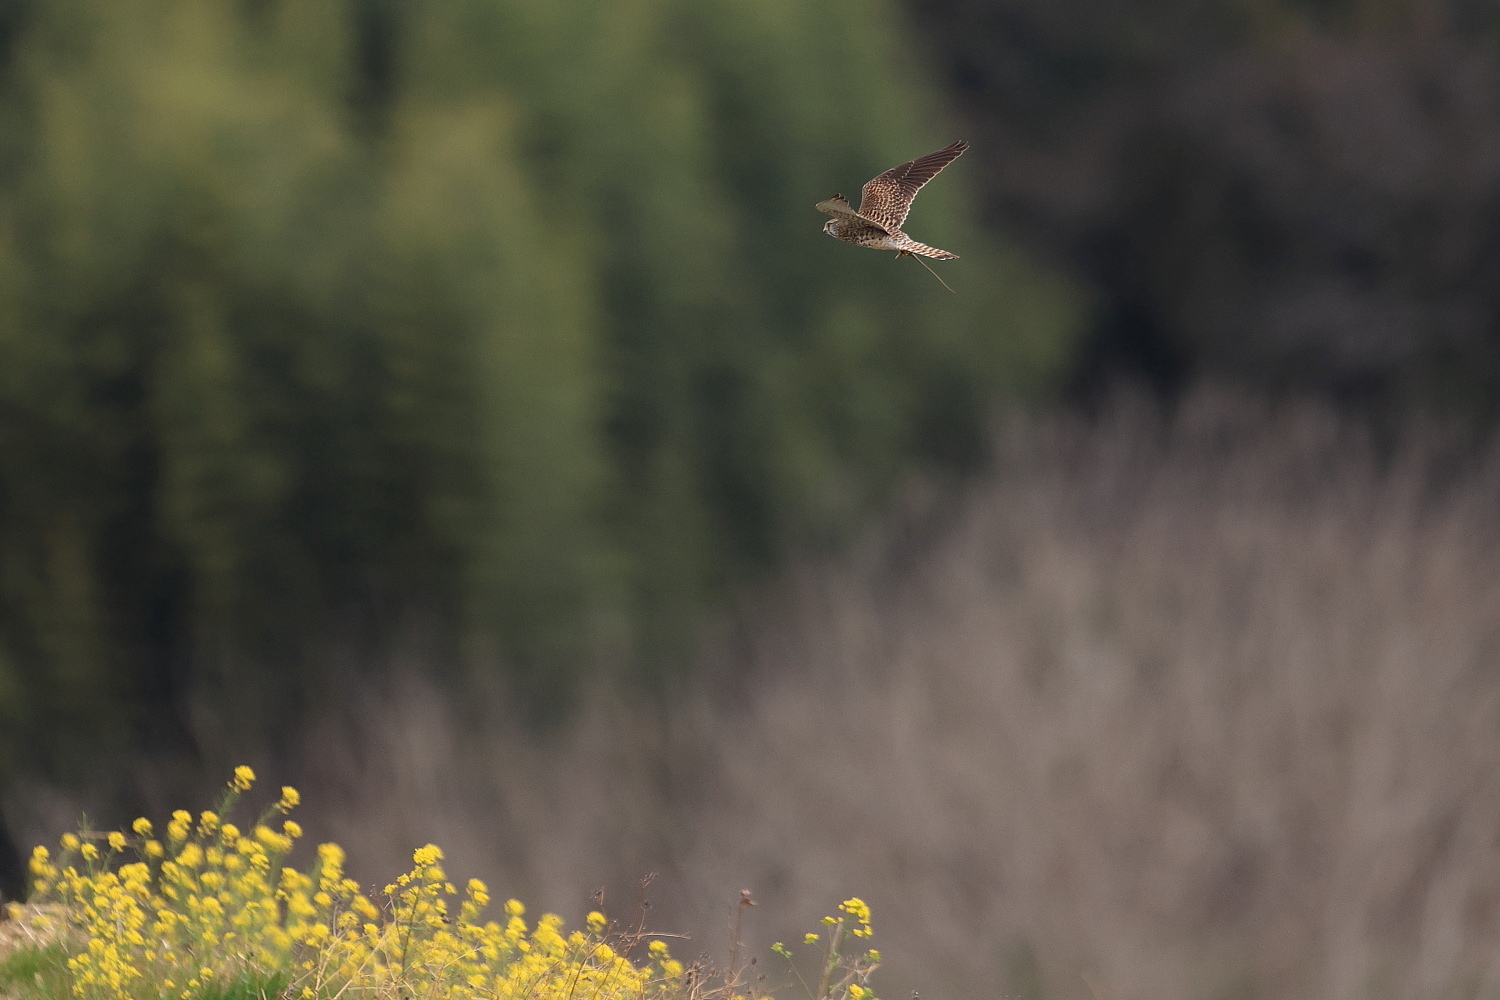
column 884, row 203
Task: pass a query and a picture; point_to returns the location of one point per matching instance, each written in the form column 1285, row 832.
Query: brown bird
column 884, row 203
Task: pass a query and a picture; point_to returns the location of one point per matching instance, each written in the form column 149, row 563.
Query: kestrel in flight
column 883, row 204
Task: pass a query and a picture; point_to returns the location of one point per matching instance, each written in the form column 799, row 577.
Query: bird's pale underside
column 884, row 203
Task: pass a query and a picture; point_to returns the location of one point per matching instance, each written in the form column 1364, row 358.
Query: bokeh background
column 453, row 409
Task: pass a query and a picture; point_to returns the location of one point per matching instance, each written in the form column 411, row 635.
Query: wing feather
column 838, row 206
column 886, row 199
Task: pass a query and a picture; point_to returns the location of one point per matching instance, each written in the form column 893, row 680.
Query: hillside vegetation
column 1200, row 705
column 505, row 324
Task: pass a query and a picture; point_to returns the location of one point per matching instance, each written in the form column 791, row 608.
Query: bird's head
column 828, row 226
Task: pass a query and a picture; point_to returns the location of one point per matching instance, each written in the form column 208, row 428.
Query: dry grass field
column 1205, row 706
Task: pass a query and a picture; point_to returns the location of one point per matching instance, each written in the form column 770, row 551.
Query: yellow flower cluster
column 842, row 976
column 860, row 911
column 211, row 908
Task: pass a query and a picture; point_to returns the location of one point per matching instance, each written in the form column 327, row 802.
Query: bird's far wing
column 887, row 198
column 838, row 206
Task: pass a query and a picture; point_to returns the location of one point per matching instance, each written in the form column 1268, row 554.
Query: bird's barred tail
column 912, row 246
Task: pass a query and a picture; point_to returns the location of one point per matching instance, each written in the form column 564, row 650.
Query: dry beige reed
column 1205, row 706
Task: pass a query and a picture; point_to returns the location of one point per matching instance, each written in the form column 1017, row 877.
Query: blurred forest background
column 452, row 408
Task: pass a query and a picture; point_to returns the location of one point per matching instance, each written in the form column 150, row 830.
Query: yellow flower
column 243, row 778
column 272, row 840
column 289, row 798
column 177, row 830
column 147, row 928
column 142, row 826
column 856, row 908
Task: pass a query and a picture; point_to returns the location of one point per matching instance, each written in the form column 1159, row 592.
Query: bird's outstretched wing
column 838, row 206
column 887, row 198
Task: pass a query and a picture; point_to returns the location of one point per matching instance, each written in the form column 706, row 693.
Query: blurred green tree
column 511, row 321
